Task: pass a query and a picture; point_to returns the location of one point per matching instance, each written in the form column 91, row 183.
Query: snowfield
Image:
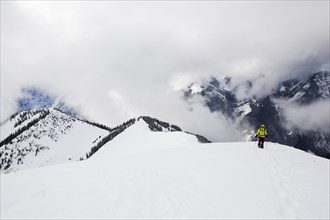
column 144, row 174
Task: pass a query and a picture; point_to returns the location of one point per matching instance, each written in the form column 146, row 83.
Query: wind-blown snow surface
column 143, row 174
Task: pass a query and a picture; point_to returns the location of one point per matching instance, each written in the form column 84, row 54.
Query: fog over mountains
column 296, row 113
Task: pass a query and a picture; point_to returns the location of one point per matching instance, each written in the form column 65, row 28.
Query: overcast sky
column 118, row 60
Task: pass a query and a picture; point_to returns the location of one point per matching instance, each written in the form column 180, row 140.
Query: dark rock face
column 313, row 88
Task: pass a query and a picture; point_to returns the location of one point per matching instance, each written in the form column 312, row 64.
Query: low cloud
column 258, row 87
column 192, row 115
column 315, row 116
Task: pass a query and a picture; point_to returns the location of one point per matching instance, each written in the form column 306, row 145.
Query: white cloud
column 214, row 126
column 310, row 117
column 181, row 81
column 145, row 51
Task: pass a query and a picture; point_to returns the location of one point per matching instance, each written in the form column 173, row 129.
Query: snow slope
column 144, row 174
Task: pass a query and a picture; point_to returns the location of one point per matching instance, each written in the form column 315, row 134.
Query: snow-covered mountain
column 250, row 113
column 148, row 175
column 43, row 137
column 316, row 86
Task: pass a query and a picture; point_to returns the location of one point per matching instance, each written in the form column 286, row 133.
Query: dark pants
column 261, row 142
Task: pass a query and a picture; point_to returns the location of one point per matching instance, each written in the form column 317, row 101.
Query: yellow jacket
column 262, row 132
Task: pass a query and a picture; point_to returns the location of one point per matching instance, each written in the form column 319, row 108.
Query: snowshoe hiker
column 262, row 134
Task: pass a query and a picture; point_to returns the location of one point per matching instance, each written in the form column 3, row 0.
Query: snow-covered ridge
column 168, row 175
column 45, row 137
column 153, row 125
